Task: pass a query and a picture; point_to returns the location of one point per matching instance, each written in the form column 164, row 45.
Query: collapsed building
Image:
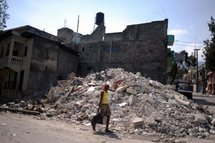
column 32, row 60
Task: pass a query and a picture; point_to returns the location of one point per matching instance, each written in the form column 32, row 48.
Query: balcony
column 14, row 60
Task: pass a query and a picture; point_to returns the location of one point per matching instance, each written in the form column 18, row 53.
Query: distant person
column 209, row 85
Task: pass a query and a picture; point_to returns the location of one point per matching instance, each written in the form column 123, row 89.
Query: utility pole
column 78, row 24
column 197, row 74
column 76, row 35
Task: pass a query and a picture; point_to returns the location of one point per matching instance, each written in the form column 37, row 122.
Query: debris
column 121, row 89
column 131, row 100
column 199, row 118
column 122, row 104
column 22, row 110
column 153, row 107
column 137, row 122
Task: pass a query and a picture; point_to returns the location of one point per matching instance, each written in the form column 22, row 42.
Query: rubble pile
column 138, row 105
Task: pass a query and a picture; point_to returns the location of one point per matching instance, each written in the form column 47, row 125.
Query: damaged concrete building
column 139, row 48
column 31, row 61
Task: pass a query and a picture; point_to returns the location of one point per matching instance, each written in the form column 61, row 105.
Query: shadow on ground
column 204, row 102
column 110, row 135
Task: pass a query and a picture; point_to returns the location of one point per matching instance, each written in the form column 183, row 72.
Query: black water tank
column 100, row 18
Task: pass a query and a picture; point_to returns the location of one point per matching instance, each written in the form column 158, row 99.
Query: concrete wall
column 143, row 48
column 43, row 68
column 113, row 36
column 66, row 35
column 49, row 63
column 67, row 63
column 96, row 36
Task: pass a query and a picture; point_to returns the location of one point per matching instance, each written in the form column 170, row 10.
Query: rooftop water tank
column 100, row 18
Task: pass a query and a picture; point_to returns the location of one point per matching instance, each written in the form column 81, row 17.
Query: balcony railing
column 13, row 60
column 16, row 60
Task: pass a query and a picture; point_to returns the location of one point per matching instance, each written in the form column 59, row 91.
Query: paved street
column 205, row 99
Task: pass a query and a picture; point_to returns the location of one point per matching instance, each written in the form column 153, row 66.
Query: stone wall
column 143, row 48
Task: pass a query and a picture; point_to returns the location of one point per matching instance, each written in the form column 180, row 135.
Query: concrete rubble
column 139, row 105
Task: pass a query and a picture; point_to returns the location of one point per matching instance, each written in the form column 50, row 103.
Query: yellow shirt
column 105, row 99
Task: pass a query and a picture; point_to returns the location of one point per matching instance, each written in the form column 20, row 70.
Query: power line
column 188, row 42
column 184, row 44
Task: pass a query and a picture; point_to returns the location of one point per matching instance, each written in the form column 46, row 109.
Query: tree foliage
column 3, row 14
column 209, row 49
column 191, row 61
column 180, row 67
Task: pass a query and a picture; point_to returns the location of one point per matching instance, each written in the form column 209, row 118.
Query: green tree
column 3, row 14
column 209, row 49
column 180, row 66
column 191, row 61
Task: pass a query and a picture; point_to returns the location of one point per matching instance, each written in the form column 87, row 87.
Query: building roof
column 28, row 31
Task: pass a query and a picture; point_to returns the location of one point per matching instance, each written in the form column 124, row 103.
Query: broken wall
column 43, row 68
column 67, row 63
column 96, row 36
column 143, row 48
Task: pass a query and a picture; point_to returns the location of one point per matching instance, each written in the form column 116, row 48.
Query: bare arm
column 101, row 97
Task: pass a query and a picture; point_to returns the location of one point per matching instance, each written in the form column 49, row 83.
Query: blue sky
column 187, row 18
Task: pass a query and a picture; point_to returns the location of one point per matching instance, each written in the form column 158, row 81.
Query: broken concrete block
column 131, row 90
column 122, row 104
column 131, row 100
column 212, row 131
column 180, row 100
column 200, row 118
column 80, row 102
column 137, row 121
column 213, row 121
column 121, row 89
column 150, row 122
column 11, row 105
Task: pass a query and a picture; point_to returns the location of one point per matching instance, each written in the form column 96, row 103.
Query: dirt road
column 19, row 128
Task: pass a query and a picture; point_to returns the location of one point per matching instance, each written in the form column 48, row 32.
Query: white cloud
column 177, row 32
column 189, row 47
